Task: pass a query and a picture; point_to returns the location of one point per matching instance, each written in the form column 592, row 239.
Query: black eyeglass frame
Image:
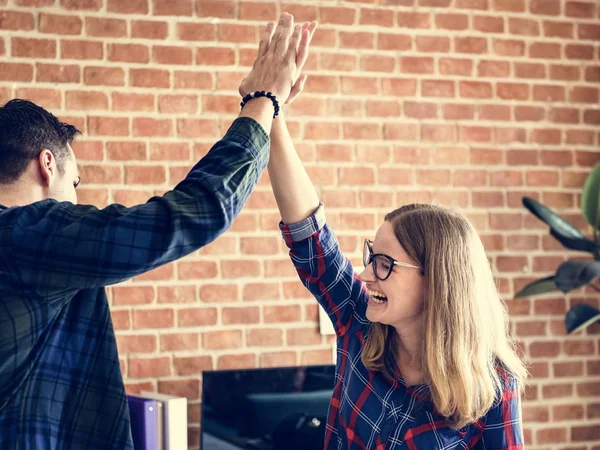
column 371, row 258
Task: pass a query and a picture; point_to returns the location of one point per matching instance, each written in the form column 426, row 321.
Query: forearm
column 260, row 109
column 294, row 192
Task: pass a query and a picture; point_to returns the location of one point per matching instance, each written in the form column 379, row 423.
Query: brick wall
column 472, row 103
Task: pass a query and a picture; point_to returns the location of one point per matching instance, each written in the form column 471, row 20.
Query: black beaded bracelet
column 257, row 94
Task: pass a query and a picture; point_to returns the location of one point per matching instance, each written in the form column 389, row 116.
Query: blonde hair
column 465, row 320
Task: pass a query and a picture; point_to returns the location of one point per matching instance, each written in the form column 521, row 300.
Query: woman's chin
column 376, row 311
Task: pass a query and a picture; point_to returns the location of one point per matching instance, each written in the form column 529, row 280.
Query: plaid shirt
column 60, row 382
column 367, row 410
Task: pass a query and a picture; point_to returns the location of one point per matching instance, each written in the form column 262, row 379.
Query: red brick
column 180, row 388
column 136, row 344
column 433, row 43
column 472, row 4
column 583, row 137
column 215, row 56
column 500, row 221
column 495, row 69
column 172, row 7
column 438, row 133
column 530, row 70
column 399, row 87
column 193, row 80
column 222, row 339
column 525, row 27
column 495, row 112
column 33, row 48
column 149, row 78
column 487, row 24
column 378, row 17
column 591, row 116
column 475, row 89
column 420, row 110
column 558, row 29
column 128, row 53
column 334, row 61
column 459, row 111
column 413, row 20
column 152, row 127
column 529, row 113
column 451, row 21
column 278, row 359
column 132, row 102
column 100, row 27
column 377, row 63
column 92, row 5
column 437, row 88
column 470, row 45
column 514, row 91
column 151, row 29
column 86, row 100
column 192, row 365
column 407, row 131
column 583, row 10
column 32, row 2
column 544, row 350
column 128, row 7
column 549, row 93
column 545, row 7
column 59, row 24
column 509, row 47
column 153, row 318
column 258, row 11
column 356, row 40
column 358, row 85
column 172, row 55
column 585, row 433
column 222, row 9
column 149, row 367
column 545, row 50
column 417, row 65
column 576, row 51
column 337, row 15
column 564, row 115
column 264, row 337
column 54, row 73
column 588, row 31
column 197, row 128
column 78, row 49
column 435, row 3
column 509, row 5
column 105, row 76
column 564, row 72
column 583, row 94
column 450, row 66
column 551, row 435
column 47, row 98
column 196, row 31
column 126, row 151
column 13, row 20
column 474, row 134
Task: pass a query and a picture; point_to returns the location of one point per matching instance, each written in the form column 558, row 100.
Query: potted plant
column 573, row 273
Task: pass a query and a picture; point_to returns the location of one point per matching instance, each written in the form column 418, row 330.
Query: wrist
column 262, row 94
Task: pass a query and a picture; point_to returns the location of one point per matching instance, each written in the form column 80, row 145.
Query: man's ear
column 47, row 166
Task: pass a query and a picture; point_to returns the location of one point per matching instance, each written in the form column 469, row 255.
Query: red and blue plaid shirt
column 367, row 410
column 60, row 381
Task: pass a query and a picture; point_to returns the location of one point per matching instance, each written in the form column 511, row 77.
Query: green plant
column 573, row 273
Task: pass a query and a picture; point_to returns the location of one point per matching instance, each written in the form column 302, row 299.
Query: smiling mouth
column 377, row 297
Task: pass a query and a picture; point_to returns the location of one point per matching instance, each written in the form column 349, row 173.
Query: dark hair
column 25, row 130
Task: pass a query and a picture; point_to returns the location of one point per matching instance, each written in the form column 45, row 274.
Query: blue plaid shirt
column 367, row 410
column 60, row 381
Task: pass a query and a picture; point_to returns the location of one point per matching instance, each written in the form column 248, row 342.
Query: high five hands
column 282, row 53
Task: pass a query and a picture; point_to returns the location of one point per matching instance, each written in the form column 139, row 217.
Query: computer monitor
column 266, row 409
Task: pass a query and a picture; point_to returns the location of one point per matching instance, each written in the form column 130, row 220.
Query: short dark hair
column 25, row 130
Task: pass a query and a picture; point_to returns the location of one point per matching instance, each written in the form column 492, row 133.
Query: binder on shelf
column 174, row 418
column 144, row 417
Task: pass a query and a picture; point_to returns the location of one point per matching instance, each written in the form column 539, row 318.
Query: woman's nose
column 367, row 274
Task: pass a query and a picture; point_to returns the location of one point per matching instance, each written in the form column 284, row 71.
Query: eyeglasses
column 383, row 265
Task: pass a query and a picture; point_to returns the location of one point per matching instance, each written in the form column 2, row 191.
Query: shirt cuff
column 251, row 135
column 299, row 231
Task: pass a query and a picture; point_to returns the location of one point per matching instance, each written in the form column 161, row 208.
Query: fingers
column 293, row 44
column 308, row 30
column 297, row 88
column 265, row 40
column 282, row 34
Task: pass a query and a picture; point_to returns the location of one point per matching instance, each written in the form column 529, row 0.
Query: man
column 60, row 381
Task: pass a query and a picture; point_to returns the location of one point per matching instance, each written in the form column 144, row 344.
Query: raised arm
column 314, row 249
column 63, row 246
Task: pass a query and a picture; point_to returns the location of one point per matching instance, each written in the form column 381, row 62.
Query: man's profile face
column 63, row 187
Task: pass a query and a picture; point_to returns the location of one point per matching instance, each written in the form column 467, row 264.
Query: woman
column 424, row 358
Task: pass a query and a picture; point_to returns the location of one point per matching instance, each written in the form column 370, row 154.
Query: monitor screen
column 266, row 409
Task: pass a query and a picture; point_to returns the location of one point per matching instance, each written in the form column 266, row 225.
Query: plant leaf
column 538, row 287
column 590, row 197
column 562, row 230
column 575, row 273
column 580, row 316
column 580, row 244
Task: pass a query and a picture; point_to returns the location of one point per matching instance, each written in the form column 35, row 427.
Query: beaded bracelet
column 257, row 94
